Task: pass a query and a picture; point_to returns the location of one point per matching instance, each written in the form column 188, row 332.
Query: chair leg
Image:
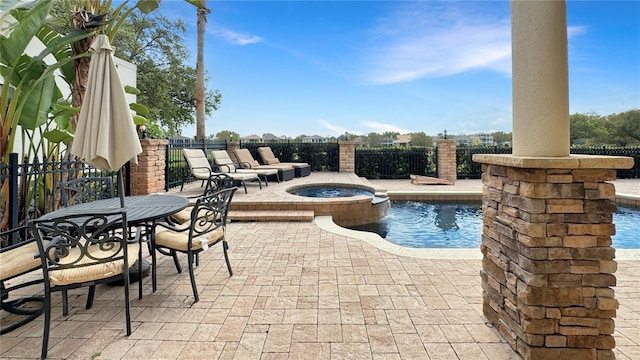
column 13, row 307
column 127, row 309
column 176, row 262
column 90, row 296
column 193, row 277
column 225, row 247
column 47, row 323
column 153, row 269
column 197, row 259
column 65, row 303
column 245, row 186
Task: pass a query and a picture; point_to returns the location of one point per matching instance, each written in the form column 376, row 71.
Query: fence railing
column 33, row 187
column 176, row 167
column 321, row 156
column 468, row 169
column 395, row 163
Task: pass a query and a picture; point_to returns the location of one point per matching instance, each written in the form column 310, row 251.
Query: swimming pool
column 459, row 225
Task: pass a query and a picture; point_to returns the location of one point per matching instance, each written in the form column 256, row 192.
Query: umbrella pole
column 120, row 187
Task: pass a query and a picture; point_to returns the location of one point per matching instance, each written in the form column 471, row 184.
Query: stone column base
column 548, row 268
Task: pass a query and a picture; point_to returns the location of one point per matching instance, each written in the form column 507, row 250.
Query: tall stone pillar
column 148, row 176
column 540, row 78
column 548, row 268
column 447, row 162
column 347, row 156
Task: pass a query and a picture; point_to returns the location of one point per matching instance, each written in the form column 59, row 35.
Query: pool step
column 271, row 215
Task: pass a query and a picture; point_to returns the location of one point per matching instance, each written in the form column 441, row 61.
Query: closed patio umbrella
column 106, row 136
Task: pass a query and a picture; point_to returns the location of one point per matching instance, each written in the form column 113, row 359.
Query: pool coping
column 326, row 223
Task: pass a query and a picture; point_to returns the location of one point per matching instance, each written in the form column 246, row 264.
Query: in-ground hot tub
column 347, row 204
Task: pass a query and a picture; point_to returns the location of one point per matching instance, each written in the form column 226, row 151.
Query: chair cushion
column 19, row 260
column 179, row 240
column 272, row 161
column 245, row 159
column 183, row 215
column 93, row 272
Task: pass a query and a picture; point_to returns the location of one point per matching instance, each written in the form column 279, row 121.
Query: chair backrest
column 267, row 155
column 245, row 159
column 86, row 189
column 210, row 212
column 198, row 163
column 81, row 240
column 222, row 159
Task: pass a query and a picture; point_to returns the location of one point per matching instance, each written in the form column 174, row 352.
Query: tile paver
column 301, row 292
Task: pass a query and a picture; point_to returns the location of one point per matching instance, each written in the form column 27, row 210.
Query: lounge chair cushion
column 92, row 272
column 245, row 159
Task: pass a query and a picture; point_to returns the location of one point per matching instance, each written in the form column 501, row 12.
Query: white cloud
column 334, row 129
column 428, row 39
column 234, row 37
column 381, row 128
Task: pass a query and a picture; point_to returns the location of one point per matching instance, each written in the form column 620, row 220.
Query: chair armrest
column 202, row 167
column 170, row 226
column 245, row 162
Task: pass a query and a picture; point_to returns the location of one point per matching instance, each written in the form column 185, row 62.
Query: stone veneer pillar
column 447, row 162
column 347, row 156
column 148, row 176
column 547, row 268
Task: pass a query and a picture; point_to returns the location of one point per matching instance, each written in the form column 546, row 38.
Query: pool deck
column 301, row 291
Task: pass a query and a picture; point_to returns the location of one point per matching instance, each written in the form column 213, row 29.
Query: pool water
column 331, row 192
column 459, row 225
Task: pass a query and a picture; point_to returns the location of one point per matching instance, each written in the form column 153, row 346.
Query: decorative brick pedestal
column 547, row 272
column 347, row 157
column 148, row 176
column 447, row 162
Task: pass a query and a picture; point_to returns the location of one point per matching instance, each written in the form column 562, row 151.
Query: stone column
column 540, row 78
column 347, row 156
column 547, row 270
column 148, row 176
column 447, row 162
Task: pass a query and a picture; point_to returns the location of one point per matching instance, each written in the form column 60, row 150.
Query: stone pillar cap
column 560, row 162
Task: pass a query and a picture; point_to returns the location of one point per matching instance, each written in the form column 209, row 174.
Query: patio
column 301, row 292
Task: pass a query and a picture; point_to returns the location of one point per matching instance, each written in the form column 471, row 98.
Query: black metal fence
column 321, row 156
column 395, row 163
column 466, row 168
column 633, row 173
column 32, row 188
column 176, row 167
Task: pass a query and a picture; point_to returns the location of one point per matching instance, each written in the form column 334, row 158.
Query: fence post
column 446, row 159
column 148, row 176
column 13, row 192
column 347, row 156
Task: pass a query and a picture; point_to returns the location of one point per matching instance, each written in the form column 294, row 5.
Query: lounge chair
column 201, row 169
column 246, row 160
column 301, row 169
column 226, row 165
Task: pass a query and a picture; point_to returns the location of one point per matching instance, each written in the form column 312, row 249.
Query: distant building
column 251, row 139
column 386, row 141
column 315, row 139
column 403, row 140
column 463, row 140
column 269, row 137
column 485, row 139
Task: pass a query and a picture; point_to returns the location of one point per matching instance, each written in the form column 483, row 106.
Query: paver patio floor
column 298, row 292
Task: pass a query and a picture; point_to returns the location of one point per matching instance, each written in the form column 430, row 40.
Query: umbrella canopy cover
column 106, row 136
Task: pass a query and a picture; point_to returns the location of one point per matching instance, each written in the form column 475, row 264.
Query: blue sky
column 330, row 67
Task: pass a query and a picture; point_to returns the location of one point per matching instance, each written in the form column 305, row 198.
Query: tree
column 624, row 128
column 500, row 137
column 89, row 15
column 228, row 135
column 202, row 12
column 391, row 134
column 421, row 139
column 375, row 139
column 587, row 128
column 166, row 83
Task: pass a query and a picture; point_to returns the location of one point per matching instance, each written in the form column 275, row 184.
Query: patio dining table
column 140, row 210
